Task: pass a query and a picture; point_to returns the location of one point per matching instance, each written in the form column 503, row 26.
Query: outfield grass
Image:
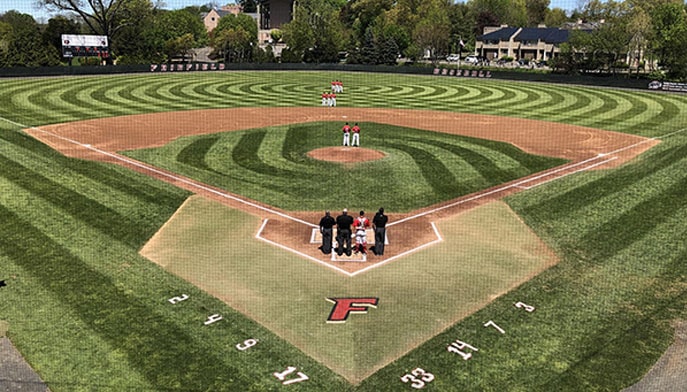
column 89, row 313
column 271, row 165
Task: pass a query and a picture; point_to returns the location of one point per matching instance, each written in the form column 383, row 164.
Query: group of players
column 347, row 131
column 347, row 227
column 329, row 98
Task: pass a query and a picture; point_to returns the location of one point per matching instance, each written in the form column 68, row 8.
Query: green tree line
column 642, row 34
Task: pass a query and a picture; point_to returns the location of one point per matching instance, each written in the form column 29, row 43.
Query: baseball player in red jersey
column 325, row 98
column 356, row 135
column 360, row 226
column 346, row 135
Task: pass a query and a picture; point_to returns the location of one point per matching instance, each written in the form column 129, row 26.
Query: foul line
column 152, row 169
column 203, row 187
column 567, row 174
column 519, row 183
column 260, row 237
column 390, row 259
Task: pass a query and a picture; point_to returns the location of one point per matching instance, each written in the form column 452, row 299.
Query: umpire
column 343, row 233
column 379, row 225
column 326, row 228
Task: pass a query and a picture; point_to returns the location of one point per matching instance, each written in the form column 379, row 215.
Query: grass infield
column 271, row 165
column 88, row 312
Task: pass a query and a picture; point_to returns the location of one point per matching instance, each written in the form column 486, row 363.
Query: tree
column 177, row 32
column 235, row 37
column 461, row 28
column 670, row 32
column 432, row 34
column 361, row 14
column 180, row 46
column 488, row 13
column 21, row 42
column 58, row 25
column 536, row 11
column 555, row 17
column 100, row 16
column 299, row 36
column 136, row 42
column 316, row 33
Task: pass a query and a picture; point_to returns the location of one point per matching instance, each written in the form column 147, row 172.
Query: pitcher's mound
column 346, row 154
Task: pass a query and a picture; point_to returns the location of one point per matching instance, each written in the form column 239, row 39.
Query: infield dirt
column 101, row 139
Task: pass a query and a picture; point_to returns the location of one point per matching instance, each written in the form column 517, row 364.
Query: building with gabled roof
column 211, row 19
column 531, row 43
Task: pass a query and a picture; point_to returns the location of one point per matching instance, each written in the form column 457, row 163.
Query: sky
column 28, row 6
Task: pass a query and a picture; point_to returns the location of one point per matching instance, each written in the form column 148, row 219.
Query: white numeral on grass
column 528, row 308
column 457, row 346
column 213, row 319
column 418, row 378
column 492, row 324
column 282, row 376
column 176, row 300
column 246, row 344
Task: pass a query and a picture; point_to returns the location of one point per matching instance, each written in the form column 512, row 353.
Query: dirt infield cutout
column 100, row 139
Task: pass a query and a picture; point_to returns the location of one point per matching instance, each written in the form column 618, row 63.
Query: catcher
column 360, row 226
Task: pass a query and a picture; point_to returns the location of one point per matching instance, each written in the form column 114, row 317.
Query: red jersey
column 356, row 129
column 346, row 128
column 361, row 223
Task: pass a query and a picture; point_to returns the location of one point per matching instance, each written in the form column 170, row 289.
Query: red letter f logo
column 345, row 306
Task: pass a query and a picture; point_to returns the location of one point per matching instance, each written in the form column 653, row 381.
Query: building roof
column 550, row 35
column 502, row 34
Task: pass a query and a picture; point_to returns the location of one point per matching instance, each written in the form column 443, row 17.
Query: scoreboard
column 85, row 46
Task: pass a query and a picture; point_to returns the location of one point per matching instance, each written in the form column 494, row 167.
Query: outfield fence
column 604, row 80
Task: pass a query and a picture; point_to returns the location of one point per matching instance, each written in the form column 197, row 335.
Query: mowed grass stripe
column 663, row 111
column 110, row 96
column 590, row 317
column 532, row 98
column 164, row 92
column 89, row 211
column 620, row 233
column 40, row 158
column 87, row 250
column 146, row 342
column 615, row 106
column 279, row 172
column 617, row 182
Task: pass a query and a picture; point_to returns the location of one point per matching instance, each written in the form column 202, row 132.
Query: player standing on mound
column 356, row 135
column 360, row 225
column 346, row 134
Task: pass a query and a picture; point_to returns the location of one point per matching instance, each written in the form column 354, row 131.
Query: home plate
column 356, row 257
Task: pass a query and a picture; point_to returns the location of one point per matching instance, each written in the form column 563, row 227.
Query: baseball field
column 159, row 232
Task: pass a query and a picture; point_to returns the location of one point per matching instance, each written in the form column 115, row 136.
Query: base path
column 586, row 148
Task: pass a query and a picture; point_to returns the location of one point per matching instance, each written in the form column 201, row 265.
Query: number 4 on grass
column 282, row 376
